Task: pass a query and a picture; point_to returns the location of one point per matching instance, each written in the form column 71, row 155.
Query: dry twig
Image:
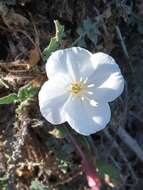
column 130, row 142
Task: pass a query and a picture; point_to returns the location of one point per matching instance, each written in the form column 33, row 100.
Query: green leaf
column 27, row 91
column 36, row 185
column 53, row 45
column 108, row 169
column 11, row 98
column 90, row 30
column 24, row 93
column 54, row 42
column 85, row 143
column 59, row 30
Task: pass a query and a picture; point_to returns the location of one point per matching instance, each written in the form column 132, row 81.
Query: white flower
column 79, row 88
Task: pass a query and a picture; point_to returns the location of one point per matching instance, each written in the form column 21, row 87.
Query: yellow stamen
column 77, row 87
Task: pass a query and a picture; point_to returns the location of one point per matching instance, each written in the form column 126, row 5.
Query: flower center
column 77, row 87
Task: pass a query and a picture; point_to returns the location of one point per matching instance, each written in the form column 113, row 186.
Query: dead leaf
column 56, row 133
column 24, row 172
column 34, row 58
column 37, row 81
column 14, row 19
column 27, row 169
column 20, row 64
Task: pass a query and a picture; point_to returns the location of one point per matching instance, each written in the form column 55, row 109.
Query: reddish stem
column 92, row 178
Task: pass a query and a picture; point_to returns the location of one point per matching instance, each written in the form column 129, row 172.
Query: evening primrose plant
column 80, row 86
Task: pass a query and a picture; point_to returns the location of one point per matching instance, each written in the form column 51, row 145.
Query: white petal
column 52, row 97
column 73, row 61
column 84, row 118
column 107, row 78
column 110, row 89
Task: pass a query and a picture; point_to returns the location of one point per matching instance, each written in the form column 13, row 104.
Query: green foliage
column 63, row 165
column 89, row 29
column 11, row 98
column 54, row 42
column 24, row 93
column 3, row 182
column 36, row 185
column 27, row 91
column 4, row 185
column 108, row 169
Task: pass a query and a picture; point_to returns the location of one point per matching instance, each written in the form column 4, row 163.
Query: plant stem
column 92, row 178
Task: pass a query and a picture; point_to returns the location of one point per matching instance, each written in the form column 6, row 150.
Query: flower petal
column 85, row 118
column 107, row 78
column 52, row 97
column 73, row 61
column 110, row 89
